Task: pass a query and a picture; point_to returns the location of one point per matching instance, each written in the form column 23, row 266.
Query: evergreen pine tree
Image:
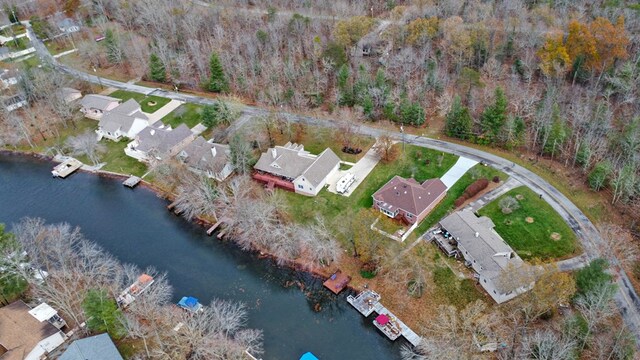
column 157, row 71
column 458, row 121
column 217, row 81
column 494, row 116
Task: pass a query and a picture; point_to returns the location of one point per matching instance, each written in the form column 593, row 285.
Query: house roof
column 203, row 155
column 95, row 101
column 99, row 347
column 122, row 117
column 291, row 161
column 477, row 236
column 162, row 138
column 66, row 91
column 20, row 332
column 130, row 107
column 321, row 167
column 409, row 195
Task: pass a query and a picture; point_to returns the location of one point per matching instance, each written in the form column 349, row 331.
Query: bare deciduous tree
column 86, row 144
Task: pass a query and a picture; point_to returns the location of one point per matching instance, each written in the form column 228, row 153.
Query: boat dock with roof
column 132, row 181
column 368, row 302
column 66, row 168
column 190, row 304
column 128, row 295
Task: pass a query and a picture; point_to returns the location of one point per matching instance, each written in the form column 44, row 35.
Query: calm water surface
column 135, row 226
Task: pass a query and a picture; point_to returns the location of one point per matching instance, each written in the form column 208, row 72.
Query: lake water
column 135, row 226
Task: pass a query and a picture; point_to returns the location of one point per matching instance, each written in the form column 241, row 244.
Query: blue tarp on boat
column 188, row 302
column 308, row 356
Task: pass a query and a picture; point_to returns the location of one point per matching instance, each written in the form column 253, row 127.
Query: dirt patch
column 152, row 103
column 507, row 211
column 519, row 197
column 508, row 222
column 529, row 220
column 555, row 236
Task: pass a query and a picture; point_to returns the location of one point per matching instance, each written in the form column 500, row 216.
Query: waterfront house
column 208, row 158
column 292, row 168
column 99, row 347
column 8, row 78
column 487, row 254
column 94, row 106
column 14, row 102
column 28, row 334
column 68, row 26
column 125, row 120
column 407, row 199
column 158, row 141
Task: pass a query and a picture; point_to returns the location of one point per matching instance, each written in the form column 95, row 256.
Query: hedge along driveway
column 532, row 238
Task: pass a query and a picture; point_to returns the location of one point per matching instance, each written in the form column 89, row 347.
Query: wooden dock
column 337, row 282
column 213, row 228
column 368, row 302
column 132, row 182
column 66, row 168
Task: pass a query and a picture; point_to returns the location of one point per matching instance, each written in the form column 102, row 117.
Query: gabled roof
column 113, row 121
column 162, row 138
column 20, row 332
column 292, row 161
column 95, row 101
column 477, row 236
column 99, row 347
column 321, row 167
column 409, row 195
column 203, row 155
column 130, row 107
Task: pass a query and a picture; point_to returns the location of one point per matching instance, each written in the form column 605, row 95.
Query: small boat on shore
column 128, row 295
column 190, row 304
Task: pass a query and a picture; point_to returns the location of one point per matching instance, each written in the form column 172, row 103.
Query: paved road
column 626, row 298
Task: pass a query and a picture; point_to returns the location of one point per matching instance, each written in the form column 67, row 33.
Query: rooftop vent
column 477, row 234
column 153, row 132
column 274, row 153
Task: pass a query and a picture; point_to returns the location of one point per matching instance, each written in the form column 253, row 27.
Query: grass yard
column 142, row 99
column 56, row 47
column 118, row 161
column 446, row 206
column 15, row 29
column 188, row 114
column 18, row 44
column 534, row 230
column 331, row 206
column 457, row 292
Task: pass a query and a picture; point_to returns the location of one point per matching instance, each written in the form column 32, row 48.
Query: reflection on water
column 292, row 308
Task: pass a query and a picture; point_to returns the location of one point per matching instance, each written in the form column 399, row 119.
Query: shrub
column 476, row 187
column 496, row 179
column 508, row 204
column 592, row 276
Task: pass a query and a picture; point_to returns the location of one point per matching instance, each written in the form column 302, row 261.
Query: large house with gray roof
column 496, row 264
column 94, row 106
column 98, row 347
column 407, row 199
column 292, row 168
column 208, row 158
column 158, row 142
column 125, row 120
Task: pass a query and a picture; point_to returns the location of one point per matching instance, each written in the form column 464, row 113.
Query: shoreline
column 293, row 265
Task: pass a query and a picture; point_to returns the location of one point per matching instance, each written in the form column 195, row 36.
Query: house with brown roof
column 407, row 199
column 292, row 168
column 208, row 158
column 25, row 333
column 500, row 271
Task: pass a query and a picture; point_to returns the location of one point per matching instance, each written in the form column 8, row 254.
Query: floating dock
column 368, row 302
column 337, row 282
column 132, row 181
column 129, row 294
column 66, row 168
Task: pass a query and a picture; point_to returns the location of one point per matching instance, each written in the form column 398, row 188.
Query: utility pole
column 402, row 132
column 99, row 79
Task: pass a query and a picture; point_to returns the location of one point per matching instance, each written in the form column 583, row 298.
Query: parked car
column 437, row 231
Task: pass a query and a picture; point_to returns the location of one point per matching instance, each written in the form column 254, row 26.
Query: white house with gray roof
column 487, row 254
column 158, row 141
column 208, row 158
column 98, row 347
column 290, row 163
column 94, row 106
column 125, row 120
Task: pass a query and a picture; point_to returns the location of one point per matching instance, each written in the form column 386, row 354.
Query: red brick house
column 407, row 199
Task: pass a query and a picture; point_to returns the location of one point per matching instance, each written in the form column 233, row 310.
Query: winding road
column 626, row 297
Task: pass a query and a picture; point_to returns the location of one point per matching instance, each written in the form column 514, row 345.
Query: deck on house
column 66, row 168
column 337, row 282
column 132, row 181
column 368, row 302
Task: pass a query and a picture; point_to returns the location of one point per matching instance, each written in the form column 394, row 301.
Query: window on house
column 494, row 292
column 409, row 215
column 485, row 280
column 300, row 186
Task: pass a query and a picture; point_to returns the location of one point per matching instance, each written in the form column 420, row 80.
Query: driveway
column 163, row 111
column 360, row 170
column 457, row 171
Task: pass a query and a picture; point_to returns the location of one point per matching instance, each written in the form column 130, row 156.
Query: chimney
column 274, row 153
column 477, row 234
column 153, row 132
column 213, row 151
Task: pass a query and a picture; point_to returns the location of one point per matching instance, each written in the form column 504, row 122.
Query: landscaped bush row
column 471, row 191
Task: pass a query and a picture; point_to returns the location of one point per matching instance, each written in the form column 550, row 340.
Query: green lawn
column 17, row 30
column 142, row 99
column 330, row 206
column 18, row 44
column 456, row 291
column 532, row 240
column 188, row 114
column 118, row 161
column 446, row 206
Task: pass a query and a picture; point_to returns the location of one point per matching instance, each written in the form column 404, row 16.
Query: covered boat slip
column 129, row 294
column 190, row 304
column 66, row 168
